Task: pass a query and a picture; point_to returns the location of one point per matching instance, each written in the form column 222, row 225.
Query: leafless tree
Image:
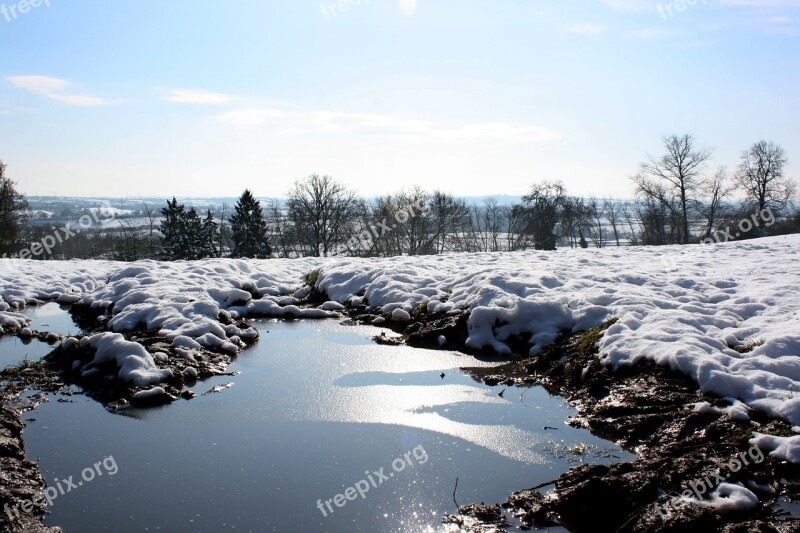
column 403, row 224
column 761, row 176
column 515, row 228
column 596, row 212
column 450, row 220
column 129, row 246
column 487, row 220
column 612, row 210
column 715, row 191
column 152, row 230
column 320, row 210
column 281, row 232
column 673, row 179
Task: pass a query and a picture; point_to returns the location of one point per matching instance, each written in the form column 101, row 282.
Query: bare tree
column 449, row 217
column 515, row 218
column 486, row 222
column 152, row 226
column 320, row 211
column 283, row 242
column 761, row 176
column 597, row 212
column 128, row 246
column 612, row 210
column 673, row 179
column 405, row 224
column 715, row 191
column 13, row 213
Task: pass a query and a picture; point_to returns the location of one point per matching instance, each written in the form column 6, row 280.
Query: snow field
column 727, row 315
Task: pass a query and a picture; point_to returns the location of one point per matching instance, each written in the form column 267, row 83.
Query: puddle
column 316, row 409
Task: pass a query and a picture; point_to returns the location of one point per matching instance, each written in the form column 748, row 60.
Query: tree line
column 678, row 200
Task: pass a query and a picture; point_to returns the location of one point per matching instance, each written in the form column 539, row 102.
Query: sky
column 474, row 97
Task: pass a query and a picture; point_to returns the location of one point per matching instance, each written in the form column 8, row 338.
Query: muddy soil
column 21, row 484
column 648, row 410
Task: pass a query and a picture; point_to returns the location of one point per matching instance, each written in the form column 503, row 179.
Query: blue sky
column 475, row 97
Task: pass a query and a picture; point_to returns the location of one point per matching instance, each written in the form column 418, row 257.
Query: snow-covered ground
column 685, row 307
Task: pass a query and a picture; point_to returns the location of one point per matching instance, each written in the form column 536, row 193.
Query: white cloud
column 586, row 29
column 408, row 7
column 762, row 3
column 651, row 33
column 189, row 96
column 250, row 117
column 628, row 5
column 387, row 127
column 53, row 88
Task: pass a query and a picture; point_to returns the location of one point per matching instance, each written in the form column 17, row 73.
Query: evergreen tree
column 173, row 229
column 208, row 237
column 249, row 229
column 192, row 241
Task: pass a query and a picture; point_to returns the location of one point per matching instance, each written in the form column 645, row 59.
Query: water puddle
column 322, row 430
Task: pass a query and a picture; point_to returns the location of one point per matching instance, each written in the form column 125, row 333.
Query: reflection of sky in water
column 14, row 350
column 51, row 318
column 316, row 406
column 46, row 318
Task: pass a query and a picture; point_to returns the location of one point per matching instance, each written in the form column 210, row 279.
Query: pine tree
column 249, row 229
column 173, row 229
column 192, row 243
column 208, row 237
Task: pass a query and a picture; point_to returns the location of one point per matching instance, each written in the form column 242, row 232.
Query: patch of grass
column 419, row 310
column 311, row 278
column 25, row 365
column 589, row 339
column 750, row 346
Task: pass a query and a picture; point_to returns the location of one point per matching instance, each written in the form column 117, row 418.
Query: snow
column 155, row 392
column 135, row 364
column 738, row 411
column 332, row 306
column 727, row 315
column 11, row 320
column 730, row 497
column 401, row 315
column 785, row 448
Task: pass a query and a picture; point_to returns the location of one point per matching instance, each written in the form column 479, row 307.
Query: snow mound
column 10, row 320
column 149, row 394
column 729, row 497
column 135, row 364
column 785, row 448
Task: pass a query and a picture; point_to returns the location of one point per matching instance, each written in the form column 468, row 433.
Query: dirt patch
column 20, row 480
column 649, row 410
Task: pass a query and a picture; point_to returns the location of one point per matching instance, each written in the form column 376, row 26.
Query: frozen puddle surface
column 317, row 408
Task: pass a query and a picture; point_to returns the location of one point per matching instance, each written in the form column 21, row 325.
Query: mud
column 648, row 410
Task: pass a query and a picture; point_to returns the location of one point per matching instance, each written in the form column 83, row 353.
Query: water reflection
column 315, row 407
